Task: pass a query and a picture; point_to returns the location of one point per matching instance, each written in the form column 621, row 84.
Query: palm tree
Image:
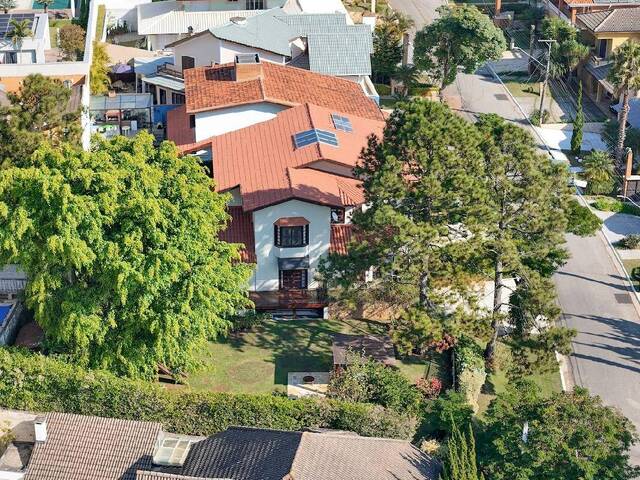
column 599, row 172
column 19, row 31
column 402, row 22
column 7, row 5
column 625, row 75
column 408, row 76
column 46, row 4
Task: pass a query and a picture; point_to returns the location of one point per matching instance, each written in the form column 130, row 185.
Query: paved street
column 423, row 13
column 596, row 302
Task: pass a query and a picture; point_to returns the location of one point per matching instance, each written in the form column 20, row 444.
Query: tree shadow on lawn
column 299, row 345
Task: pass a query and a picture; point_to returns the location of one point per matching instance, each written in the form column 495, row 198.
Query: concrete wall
column 266, row 275
column 217, row 122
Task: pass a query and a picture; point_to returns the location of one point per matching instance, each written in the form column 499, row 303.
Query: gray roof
column 265, row 31
column 165, row 81
column 616, row 20
column 250, row 453
column 600, row 73
column 81, row 447
column 147, row 475
column 305, row 24
column 341, row 54
column 378, row 347
column 121, row 101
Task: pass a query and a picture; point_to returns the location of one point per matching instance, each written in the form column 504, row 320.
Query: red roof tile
column 211, row 88
column 340, row 238
column 264, row 162
column 240, row 230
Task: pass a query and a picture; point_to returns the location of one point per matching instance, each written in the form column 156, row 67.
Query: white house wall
column 228, row 51
column 217, row 122
column 266, row 276
column 158, row 42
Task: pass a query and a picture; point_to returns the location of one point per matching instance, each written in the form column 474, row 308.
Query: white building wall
column 266, row 276
column 228, row 51
column 217, row 122
column 158, row 42
column 209, row 5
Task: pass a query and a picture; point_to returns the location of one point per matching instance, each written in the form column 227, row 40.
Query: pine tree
column 578, row 125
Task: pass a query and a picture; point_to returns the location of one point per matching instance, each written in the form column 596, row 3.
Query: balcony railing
column 168, row 70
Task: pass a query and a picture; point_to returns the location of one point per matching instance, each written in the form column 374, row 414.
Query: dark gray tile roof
column 81, row 447
column 147, row 475
column 243, row 454
column 616, row 20
column 600, row 73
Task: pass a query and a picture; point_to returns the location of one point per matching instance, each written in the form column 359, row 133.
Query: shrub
column 581, row 220
column 248, row 321
column 448, row 408
column 72, row 41
column 608, row 204
column 39, row 383
column 430, row 388
column 469, row 369
column 383, row 89
column 366, row 380
column 630, row 242
column 538, row 120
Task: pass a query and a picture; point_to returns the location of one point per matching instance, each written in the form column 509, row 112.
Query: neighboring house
column 121, row 113
column 168, row 21
column 12, row 283
column 31, row 49
column 227, row 97
column 60, row 446
column 571, row 9
column 293, row 195
column 322, row 43
column 605, row 31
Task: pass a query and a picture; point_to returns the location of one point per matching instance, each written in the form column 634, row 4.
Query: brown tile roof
column 340, row 238
column 240, row 230
column 81, row 447
column 211, row 88
column 264, row 162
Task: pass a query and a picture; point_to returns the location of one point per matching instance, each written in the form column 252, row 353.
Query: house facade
column 605, row 31
column 571, row 9
column 283, row 143
column 31, row 49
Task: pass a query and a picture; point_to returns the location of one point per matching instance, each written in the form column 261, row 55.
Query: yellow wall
column 617, row 39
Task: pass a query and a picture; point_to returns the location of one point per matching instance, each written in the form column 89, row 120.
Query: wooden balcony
column 289, row 299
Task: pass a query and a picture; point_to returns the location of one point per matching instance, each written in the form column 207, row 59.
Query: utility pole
column 546, row 75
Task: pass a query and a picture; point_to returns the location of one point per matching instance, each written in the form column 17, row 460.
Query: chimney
column 40, row 427
column 248, row 67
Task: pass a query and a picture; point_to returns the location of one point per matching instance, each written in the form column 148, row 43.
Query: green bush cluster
column 39, row 383
column 608, row 204
column 383, row 89
column 469, row 369
column 630, row 242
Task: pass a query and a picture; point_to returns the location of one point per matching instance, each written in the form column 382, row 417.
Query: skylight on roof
column 172, row 450
column 341, row 123
column 308, row 137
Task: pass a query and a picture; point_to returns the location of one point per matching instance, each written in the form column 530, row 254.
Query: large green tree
column 121, row 247
column 387, row 44
column 526, row 196
column 462, row 36
column 566, row 50
column 568, row 436
column 39, row 111
column 423, row 188
column 599, row 172
column 625, row 75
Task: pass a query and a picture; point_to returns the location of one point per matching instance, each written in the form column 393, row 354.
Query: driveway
column 423, row 12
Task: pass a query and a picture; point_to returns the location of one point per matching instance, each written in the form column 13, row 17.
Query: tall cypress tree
column 578, row 125
column 461, row 463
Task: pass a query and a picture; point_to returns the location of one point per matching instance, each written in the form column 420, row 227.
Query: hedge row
column 41, row 384
column 470, row 369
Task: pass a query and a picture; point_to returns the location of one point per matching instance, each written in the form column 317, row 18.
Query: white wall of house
column 209, row 5
column 158, row 42
column 119, row 11
column 31, row 50
column 217, row 122
column 207, row 50
column 266, row 276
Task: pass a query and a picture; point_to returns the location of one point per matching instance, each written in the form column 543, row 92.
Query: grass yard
column 259, row 361
column 522, row 88
column 630, row 265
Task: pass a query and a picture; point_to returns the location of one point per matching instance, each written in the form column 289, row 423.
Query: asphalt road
column 423, row 13
column 596, row 301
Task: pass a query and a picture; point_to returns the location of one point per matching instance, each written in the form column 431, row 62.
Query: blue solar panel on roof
column 308, row 137
column 341, row 123
column 5, row 22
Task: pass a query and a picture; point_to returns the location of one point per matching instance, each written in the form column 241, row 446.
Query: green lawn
column 629, row 265
column 258, row 361
column 519, row 88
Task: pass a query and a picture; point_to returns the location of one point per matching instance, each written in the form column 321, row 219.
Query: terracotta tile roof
column 340, row 238
column 79, row 447
column 240, row 230
column 264, row 162
column 211, row 88
column 178, row 130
